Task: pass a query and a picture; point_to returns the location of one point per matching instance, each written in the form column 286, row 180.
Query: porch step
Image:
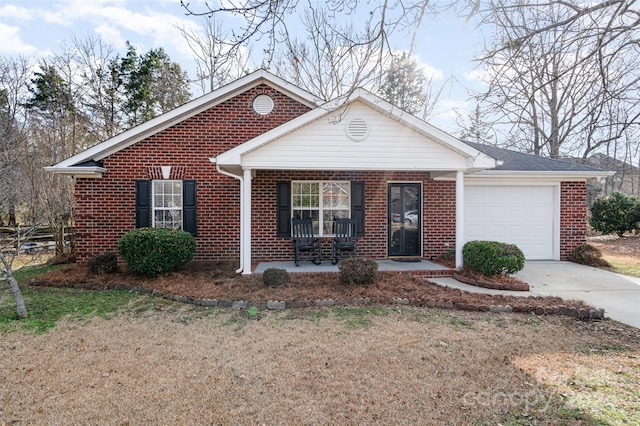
column 439, row 273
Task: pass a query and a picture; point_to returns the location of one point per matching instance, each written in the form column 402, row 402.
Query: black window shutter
column 143, row 203
column 284, row 209
column 189, row 207
column 357, row 206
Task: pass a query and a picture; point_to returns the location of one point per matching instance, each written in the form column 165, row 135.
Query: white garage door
column 521, row 215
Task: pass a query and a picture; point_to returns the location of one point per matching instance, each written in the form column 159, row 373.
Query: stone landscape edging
column 582, row 314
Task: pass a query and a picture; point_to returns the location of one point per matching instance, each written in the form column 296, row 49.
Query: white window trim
column 320, row 208
column 154, row 208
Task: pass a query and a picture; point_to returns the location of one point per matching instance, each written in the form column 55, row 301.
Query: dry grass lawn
column 179, row 364
column 622, row 253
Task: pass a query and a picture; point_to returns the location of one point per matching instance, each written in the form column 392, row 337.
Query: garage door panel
column 521, row 215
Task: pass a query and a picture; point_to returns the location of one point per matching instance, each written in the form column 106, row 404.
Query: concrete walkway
column 619, row 295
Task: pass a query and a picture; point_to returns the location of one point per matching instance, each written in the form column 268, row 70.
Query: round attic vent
column 263, row 104
column 357, row 129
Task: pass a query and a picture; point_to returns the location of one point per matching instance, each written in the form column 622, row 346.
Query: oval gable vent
column 263, row 104
column 357, row 129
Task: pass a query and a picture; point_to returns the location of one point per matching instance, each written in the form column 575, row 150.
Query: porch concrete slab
column 326, row 266
column 619, row 295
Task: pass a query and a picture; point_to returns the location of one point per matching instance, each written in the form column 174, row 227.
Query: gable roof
column 336, row 110
column 522, row 163
column 87, row 162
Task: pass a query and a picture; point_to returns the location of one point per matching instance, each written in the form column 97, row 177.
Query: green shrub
column 492, row 257
column 274, row 277
column 358, row 271
column 104, row 263
column 586, row 254
column 617, row 213
column 156, row 251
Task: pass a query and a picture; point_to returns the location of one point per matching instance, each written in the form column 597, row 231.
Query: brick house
column 232, row 167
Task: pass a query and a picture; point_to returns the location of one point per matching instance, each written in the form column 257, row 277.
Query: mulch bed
column 216, row 284
column 503, row 283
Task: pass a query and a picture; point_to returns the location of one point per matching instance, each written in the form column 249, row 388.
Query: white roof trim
column 477, row 159
column 78, row 171
column 191, row 108
column 556, row 176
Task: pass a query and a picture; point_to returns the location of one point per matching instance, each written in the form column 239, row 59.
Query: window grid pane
column 167, row 204
column 322, row 208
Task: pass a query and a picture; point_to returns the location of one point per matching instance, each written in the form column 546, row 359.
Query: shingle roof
column 519, row 161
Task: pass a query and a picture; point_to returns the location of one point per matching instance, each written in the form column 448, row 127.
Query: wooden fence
column 31, row 239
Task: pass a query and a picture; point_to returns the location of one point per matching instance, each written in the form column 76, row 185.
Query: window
column 322, row 202
column 167, row 204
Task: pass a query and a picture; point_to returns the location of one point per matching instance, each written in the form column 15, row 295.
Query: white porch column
column 459, row 217
column 246, row 222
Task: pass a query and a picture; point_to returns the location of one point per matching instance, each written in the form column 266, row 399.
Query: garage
column 525, row 215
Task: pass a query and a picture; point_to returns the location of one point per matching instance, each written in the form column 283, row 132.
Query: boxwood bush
column 104, row 263
column 587, row 254
column 492, row 257
column 275, row 277
column 358, row 271
column 156, row 251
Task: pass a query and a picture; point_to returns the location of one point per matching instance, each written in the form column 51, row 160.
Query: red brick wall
column 105, row 207
column 573, row 216
column 438, row 212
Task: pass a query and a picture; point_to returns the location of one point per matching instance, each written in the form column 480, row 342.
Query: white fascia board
column 354, row 167
column 486, row 175
column 80, row 172
column 191, row 108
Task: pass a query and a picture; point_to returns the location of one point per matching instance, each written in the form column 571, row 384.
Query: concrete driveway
column 619, row 295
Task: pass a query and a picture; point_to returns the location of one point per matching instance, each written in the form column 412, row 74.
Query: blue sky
column 41, row 27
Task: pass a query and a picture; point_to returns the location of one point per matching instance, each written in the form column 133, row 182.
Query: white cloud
column 15, row 12
column 12, row 42
column 110, row 35
column 117, row 21
column 431, row 71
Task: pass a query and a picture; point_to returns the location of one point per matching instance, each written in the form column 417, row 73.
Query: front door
column 404, row 220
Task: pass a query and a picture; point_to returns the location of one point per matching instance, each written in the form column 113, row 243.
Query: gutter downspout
column 224, row 172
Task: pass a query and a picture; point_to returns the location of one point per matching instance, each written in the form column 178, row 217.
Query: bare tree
column 476, row 127
column 14, row 73
column 9, row 249
column 7, row 272
column 326, row 61
column 545, row 83
column 272, row 24
column 97, row 83
column 215, row 66
column 408, row 86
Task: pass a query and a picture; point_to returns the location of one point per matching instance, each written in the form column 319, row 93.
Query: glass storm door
column 404, row 219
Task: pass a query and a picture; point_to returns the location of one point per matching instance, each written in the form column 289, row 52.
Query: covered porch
column 364, row 146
